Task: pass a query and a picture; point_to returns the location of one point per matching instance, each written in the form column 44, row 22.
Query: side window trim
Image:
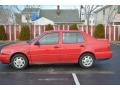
column 75, row 42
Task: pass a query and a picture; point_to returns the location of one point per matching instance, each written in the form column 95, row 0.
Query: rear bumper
column 4, row 59
column 104, row 55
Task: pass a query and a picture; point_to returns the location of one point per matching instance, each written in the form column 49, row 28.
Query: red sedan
column 57, row 47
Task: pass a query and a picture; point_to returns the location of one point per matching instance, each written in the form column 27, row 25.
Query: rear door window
column 72, row 37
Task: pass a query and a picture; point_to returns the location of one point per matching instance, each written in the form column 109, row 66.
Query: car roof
column 63, row 31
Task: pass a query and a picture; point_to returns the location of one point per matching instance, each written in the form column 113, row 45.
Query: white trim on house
column 39, row 30
column 44, row 28
column 82, row 28
column 14, row 32
column 114, row 32
column 105, row 31
column 110, row 33
column 34, row 31
column 91, row 30
column 10, row 32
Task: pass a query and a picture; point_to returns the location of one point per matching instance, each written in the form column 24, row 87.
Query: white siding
column 24, row 19
column 111, row 11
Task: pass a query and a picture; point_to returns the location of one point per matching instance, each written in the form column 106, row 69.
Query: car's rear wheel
column 19, row 61
column 87, row 60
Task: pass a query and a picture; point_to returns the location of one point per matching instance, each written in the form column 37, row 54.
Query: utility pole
column 80, row 11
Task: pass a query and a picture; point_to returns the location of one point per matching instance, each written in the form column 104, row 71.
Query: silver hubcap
column 87, row 61
column 19, row 62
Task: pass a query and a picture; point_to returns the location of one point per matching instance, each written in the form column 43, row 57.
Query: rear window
column 72, row 37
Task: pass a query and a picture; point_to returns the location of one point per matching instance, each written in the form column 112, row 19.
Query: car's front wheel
column 19, row 61
column 87, row 60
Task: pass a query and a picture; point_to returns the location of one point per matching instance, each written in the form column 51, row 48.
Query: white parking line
column 75, row 79
column 53, row 79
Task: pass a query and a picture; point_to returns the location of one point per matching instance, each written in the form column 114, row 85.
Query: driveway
column 103, row 73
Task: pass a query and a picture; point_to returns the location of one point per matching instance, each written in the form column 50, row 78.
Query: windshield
column 32, row 40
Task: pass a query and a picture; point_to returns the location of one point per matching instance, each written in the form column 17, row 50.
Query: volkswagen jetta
column 57, row 47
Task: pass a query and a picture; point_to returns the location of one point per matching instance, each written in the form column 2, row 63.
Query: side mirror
column 37, row 43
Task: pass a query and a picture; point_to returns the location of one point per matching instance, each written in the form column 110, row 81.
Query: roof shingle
column 66, row 15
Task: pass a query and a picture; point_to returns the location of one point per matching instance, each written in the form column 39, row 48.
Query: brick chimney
column 58, row 9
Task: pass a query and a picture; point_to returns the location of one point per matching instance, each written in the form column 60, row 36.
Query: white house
column 27, row 14
column 91, row 20
column 7, row 17
column 109, row 14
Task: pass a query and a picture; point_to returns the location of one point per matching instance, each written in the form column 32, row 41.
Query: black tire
column 88, row 63
column 19, row 65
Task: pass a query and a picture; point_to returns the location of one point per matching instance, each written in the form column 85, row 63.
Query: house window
column 119, row 9
column 103, row 11
column 27, row 17
column 116, row 23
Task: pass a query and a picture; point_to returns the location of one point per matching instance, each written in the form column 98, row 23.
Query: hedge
column 73, row 27
column 49, row 27
column 25, row 33
column 3, row 35
column 99, row 31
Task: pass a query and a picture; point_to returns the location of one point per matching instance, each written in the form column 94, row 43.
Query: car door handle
column 56, row 47
column 82, row 46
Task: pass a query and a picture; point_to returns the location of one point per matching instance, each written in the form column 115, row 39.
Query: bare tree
column 8, row 11
column 88, row 10
column 81, row 7
column 111, row 14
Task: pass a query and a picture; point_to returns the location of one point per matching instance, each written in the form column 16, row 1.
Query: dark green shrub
column 3, row 35
column 49, row 27
column 99, row 31
column 25, row 33
column 73, row 27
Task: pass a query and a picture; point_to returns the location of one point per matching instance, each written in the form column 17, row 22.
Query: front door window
column 52, row 38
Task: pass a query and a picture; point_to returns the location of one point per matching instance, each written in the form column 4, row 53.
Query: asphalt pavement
column 103, row 73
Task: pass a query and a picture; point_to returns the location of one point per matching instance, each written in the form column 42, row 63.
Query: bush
column 73, row 27
column 49, row 27
column 25, row 33
column 99, row 31
column 3, row 35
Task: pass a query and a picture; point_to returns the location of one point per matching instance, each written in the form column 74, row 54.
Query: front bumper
column 4, row 59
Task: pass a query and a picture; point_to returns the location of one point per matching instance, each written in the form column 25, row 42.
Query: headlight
column 1, row 51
